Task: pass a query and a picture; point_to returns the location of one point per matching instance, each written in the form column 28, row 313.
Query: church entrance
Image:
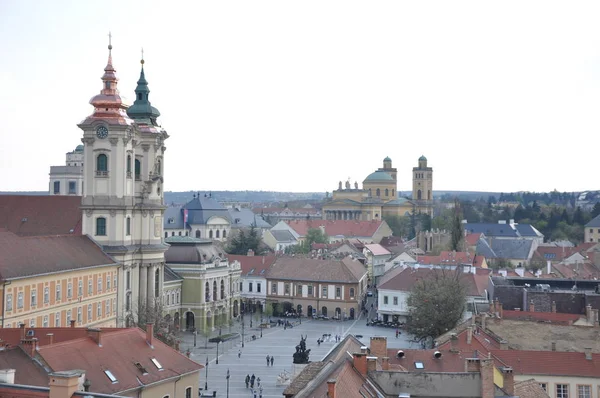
column 190, row 321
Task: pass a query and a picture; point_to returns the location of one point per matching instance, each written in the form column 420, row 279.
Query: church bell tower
column 122, row 199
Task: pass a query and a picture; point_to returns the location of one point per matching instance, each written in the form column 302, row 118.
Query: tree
column 153, row 313
column 243, row 241
column 315, row 235
column 400, row 226
column 437, row 304
column 456, row 233
column 596, row 210
column 269, row 310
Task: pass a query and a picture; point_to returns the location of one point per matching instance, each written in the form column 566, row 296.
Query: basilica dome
column 379, row 176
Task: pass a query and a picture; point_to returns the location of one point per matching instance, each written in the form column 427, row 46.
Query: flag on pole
column 185, row 216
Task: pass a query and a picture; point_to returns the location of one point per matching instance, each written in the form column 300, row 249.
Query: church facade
column 379, row 195
column 122, row 198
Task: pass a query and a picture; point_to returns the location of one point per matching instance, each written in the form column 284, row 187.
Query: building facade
column 122, row 199
column 313, row 287
column 591, row 230
column 379, row 195
column 203, row 217
column 68, row 179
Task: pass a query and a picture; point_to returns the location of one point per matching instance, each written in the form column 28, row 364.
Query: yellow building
column 379, row 195
column 49, row 281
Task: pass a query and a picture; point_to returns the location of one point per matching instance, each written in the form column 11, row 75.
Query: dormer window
column 141, row 368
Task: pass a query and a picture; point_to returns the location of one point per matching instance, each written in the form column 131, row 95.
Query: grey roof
column 244, row 218
column 505, row 248
column 528, row 230
column 200, row 210
column 491, row 229
column 595, row 222
column 171, row 276
column 173, row 214
column 282, row 235
column 194, row 251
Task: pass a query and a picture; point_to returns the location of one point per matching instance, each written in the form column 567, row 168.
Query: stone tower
column 122, row 199
column 387, row 167
column 422, row 181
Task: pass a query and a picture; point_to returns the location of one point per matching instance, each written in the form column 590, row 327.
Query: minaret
column 122, row 196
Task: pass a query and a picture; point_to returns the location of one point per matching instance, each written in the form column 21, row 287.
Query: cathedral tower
column 422, row 181
column 122, row 199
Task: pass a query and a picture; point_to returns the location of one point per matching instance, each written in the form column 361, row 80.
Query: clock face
column 102, row 132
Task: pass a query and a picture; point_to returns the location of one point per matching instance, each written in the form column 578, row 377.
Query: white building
column 202, row 217
column 68, row 179
column 122, row 198
column 376, row 256
column 253, row 282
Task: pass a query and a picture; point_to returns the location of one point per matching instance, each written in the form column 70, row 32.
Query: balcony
column 101, row 173
column 129, row 174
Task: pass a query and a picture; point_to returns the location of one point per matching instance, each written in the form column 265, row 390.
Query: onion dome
column 142, row 111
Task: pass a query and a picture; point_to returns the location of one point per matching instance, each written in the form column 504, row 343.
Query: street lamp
column 195, row 333
column 261, row 328
column 227, row 377
column 206, row 381
column 243, row 323
column 217, row 362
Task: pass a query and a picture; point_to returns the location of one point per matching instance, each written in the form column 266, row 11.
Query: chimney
column 379, row 346
column 588, row 312
column 331, row 388
column 531, row 306
column 483, row 316
column 363, row 349
column 250, row 252
column 72, row 323
column 96, row 335
column 554, row 306
column 371, row 364
column 7, row 376
column 360, row 362
column 509, row 380
column 504, row 345
column 469, row 334
column 50, row 338
column 385, row 363
column 554, row 346
column 500, row 310
column 472, row 365
column 22, row 327
column 453, row 343
column 30, row 346
column 486, row 369
column 149, row 333
column 588, row 353
column 496, row 306
column 595, row 311
column 548, row 267
column 64, row 383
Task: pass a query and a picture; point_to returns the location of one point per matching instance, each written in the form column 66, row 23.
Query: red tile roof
column 309, row 269
column 472, row 239
column 119, row 352
column 26, row 256
column 272, row 210
column 253, row 265
column 12, row 336
column 377, row 249
column 27, row 371
column 552, row 317
column 481, row 342
column 40, row 215
column 347, row 228
column 449, row 362
column 550, row 363
column 448, row 257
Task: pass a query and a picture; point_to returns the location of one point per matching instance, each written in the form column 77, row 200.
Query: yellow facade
column 87, row 296
column 379, row 195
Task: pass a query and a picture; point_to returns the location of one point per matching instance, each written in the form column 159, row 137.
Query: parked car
column 370, row 293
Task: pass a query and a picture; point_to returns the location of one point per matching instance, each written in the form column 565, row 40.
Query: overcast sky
column 295, row 96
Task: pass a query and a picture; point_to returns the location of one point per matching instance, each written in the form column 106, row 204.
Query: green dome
column 379, row 176
column 79, row 148
column 423, row 158
column 387, row 159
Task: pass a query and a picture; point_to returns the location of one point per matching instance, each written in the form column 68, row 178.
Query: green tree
column 596, row 210
column 400, row 226
column 243, row 241
column 437, row 304
column 315, row 235
column 456, row 233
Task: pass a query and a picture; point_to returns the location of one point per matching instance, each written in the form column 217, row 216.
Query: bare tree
column 154, row 313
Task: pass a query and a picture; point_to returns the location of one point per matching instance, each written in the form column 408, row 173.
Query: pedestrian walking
column 260, row 393
column 252, row 380
column 319, row 342
column 268, row 359
column 258, row 382
column 239, row 353
column 397, row 333
column 247, row 380
column 272, row 359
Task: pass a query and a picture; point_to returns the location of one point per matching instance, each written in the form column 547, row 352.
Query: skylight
column 419, row 365
column 157, row 364
column 141, row 368
column 110, row 376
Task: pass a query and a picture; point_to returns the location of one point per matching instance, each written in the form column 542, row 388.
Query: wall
column 573, row 382
column 464, row 385
column 592, row 234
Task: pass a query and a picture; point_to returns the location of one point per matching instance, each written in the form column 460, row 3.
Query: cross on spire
column 142, row 61
column 109, row 40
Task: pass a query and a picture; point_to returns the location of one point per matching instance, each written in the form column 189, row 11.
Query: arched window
column 419, row 194
column 210, row 234
column 217, row 234
column 129, row 166
column 138, row 169
column 215, row 297
column 222, row 290
column 378, row 192
column 392, row 192
column 197, row 233
column 206, row 292
column 156, row 283
column 102, row 163
column 166, row 234
column 179, row 233
column 172, row 233
column 224, row 233
column 128, row 226
column 387, row 192
column 101, row 226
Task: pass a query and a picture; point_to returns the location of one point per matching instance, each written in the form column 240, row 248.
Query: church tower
column 422, row 182
column 122, row 199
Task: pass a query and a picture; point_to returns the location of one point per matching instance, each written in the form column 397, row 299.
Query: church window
column 107, row 85
column 369, row 191
column 101, row 226
column 217, row 234
column 378, row 192
column 215, row 297
column 138, row 169
column 128, row 302
column 387, row 192
column 72, row 187
column 101, row 164
column 156, row 282
column 172, row 233
column 128, row 166
column 128, row 226
column 206, row 292
column 210, row 234
column 56, row 187
column 224, row 234
column 197, row 233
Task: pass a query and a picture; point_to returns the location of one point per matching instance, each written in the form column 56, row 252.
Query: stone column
column 150, row 277
column 142, row 277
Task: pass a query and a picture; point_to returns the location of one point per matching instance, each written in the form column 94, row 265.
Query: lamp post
column 195, row 333
column 227, row 377
column 206, row 380
column 243, row 323
column 217, row 361
column 261, row 328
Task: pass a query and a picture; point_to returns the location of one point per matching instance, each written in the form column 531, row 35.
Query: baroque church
column 122, row 198
column 379, row 195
